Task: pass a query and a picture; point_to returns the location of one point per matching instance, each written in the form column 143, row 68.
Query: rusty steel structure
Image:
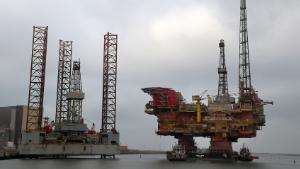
column 109, row 82
column 224, row 119
column 37, row 78
column 63, row 80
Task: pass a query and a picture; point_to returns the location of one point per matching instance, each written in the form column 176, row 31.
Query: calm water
column 266, row 161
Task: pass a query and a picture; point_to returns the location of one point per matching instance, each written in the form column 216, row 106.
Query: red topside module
column 165, row 98
column 162, row 97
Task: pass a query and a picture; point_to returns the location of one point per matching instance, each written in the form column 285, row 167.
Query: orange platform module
column 222, row 119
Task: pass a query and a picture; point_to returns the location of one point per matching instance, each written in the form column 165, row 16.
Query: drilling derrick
column 109, row 82
column 69, row 95
column 37, row 78
column 244, row 61
column 219, row 111
column 75, row 96
column 63, row 80
column 223, row 84
column 250, row 105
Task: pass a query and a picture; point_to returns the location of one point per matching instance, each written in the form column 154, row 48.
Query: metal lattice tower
column 37, row 78
column 75, row 96
column 244, row 62
column 223, row 84
column 63, row 80
column 109, row 82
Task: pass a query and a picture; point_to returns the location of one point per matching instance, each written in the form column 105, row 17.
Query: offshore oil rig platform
column 69, row 135
column 224, row 119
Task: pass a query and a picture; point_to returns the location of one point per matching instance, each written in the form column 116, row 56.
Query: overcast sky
column 169, row 43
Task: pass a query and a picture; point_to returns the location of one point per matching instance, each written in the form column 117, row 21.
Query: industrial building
column 12, row 123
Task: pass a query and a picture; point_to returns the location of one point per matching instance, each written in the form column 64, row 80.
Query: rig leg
column 220, row 147
column 189, row 144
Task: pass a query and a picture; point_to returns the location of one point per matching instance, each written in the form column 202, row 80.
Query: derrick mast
column 244, row 62
column 219, row 111
column 75, row 96
column 109, row 82
column 63, row 80
column 250, row 105
column 223, row 84
column 37, row 78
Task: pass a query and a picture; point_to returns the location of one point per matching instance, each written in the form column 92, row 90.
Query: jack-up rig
column 69, row 135
column 224, row 120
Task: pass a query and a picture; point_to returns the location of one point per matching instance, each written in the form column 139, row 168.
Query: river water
column 266, row 161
